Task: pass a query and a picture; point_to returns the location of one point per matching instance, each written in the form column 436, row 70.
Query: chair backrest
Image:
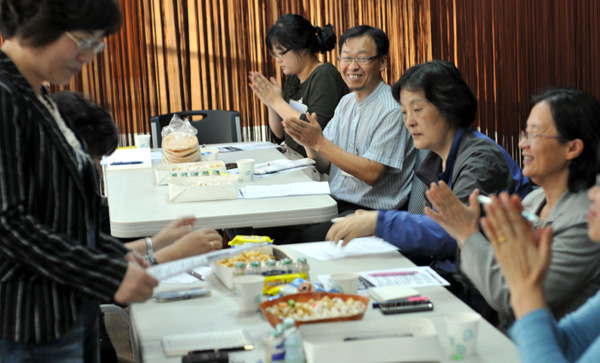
column 416, row 200
column 216, row 126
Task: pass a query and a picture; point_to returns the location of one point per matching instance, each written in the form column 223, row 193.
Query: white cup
column 345, row 282
column 246, row 169
column 209, row 153
column 462, row 334
column 248, row 289
column 141, row 140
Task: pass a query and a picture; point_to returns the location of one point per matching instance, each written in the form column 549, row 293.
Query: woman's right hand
column 194, row 243
column 269, row 91
column 522, row 252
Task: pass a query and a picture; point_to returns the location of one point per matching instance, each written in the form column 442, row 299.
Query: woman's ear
column 575, row 149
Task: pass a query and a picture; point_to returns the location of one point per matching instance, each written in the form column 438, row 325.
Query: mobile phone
column 182, row 294
column 206, row 357
column 399, row 307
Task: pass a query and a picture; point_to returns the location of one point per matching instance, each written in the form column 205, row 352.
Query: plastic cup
column 209, row 153
column 246, row 169
column 345, row 282
column 142, row 140
column 248, row 289
column 462, row 334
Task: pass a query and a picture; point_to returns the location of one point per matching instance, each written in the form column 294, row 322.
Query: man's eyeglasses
column 529, row 136
column 83, row 45
column 278, row 55
column 360, row 60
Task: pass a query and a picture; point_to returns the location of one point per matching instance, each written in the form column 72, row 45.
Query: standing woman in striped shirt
column 55, row 266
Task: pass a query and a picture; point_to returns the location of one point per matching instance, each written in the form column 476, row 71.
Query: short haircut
column 444, row 87
column 92, row 123
column 294, row 32
column 576, row 116
column 382, row 43
column 41, row 22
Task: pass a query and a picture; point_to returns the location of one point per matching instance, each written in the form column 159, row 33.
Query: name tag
column 298, row 106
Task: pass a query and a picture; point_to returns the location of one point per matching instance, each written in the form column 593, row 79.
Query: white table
column 153, row 320
column 139, row 207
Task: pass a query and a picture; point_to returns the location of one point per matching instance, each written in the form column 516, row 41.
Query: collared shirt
column 51, row 254
column 372, row 129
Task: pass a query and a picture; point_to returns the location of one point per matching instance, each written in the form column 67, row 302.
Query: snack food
column 180, row 147
column 246, row 257
column 323, row 308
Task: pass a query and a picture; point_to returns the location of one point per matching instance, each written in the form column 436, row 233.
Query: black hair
column 444, row 87
column 292, row 31
column 575, row 115
column 92, row 123
column 41, row 22
column 382, row 43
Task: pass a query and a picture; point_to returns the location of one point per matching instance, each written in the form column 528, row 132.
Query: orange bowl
column 304, row 297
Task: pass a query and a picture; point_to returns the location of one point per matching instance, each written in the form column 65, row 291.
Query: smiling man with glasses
column 365, row 148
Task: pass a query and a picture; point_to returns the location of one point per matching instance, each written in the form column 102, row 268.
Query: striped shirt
column 372, row 129
column 51, row 254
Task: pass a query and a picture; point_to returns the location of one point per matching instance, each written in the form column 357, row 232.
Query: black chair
column 215, row 127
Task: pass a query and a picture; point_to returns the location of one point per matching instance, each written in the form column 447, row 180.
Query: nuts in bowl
column 316, row 307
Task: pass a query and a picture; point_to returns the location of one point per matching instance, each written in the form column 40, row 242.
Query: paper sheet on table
column 417, row 276
column 324, row 251
column 284, row 190
column 164, row 270
column 127, row 155
column 186, row 278
column 245, row 146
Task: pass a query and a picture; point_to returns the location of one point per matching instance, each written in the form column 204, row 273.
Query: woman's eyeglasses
column 83, row 45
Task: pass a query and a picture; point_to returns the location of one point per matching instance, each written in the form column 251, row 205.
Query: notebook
column 224, row 340
column 395, row 292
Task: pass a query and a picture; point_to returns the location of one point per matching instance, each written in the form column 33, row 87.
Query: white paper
column 283, row 190
column 187, row 278
column 128, row 155
column 324, row 251
column 245, row 146
column 183, row 343
column 156, row 155
column 168, row 269
column 417, row 276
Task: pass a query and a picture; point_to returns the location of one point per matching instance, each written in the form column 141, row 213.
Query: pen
column 378, row 337
column 196, row 275
column 532, row 218
column 410, row 299
column 393, row 273
column 126, row 162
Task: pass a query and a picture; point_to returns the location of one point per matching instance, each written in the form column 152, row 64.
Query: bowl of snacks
column 315, row 307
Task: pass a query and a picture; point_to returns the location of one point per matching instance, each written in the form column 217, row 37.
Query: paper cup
column 141, row 140
column 248, row 289
column 462, row 334
column 246, row 169
column 345, row 282
column 209, row 153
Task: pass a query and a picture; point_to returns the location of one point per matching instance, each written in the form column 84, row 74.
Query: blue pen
column 126, row 162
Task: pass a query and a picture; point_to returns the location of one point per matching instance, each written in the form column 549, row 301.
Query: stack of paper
column 386, row 293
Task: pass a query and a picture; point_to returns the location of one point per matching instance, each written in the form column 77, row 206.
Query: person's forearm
column 321, row 162
column 525, row 299
column 364, row 169
column 275, row 123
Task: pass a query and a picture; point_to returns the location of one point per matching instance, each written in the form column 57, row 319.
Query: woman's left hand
column 456, row 218
column 269, row 91
column 522, row 252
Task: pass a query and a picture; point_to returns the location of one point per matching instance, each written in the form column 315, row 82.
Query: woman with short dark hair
column 438, row 108
column 559, row 154
column 310, row 86
column 56, row 266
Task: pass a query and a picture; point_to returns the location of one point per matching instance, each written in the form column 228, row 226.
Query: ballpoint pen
column 126, row 162
column 196, row 275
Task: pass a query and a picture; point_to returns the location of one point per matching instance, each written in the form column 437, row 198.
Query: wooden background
column 174, row 55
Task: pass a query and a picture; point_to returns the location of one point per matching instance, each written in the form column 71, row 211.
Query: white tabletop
column 219, row 312
column 139, row 207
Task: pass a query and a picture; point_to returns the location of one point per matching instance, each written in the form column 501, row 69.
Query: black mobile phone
column 399, row 307
column 206, row 357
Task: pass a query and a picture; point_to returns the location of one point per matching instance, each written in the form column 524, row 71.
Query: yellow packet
column 238, row 240
column 272, row 282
